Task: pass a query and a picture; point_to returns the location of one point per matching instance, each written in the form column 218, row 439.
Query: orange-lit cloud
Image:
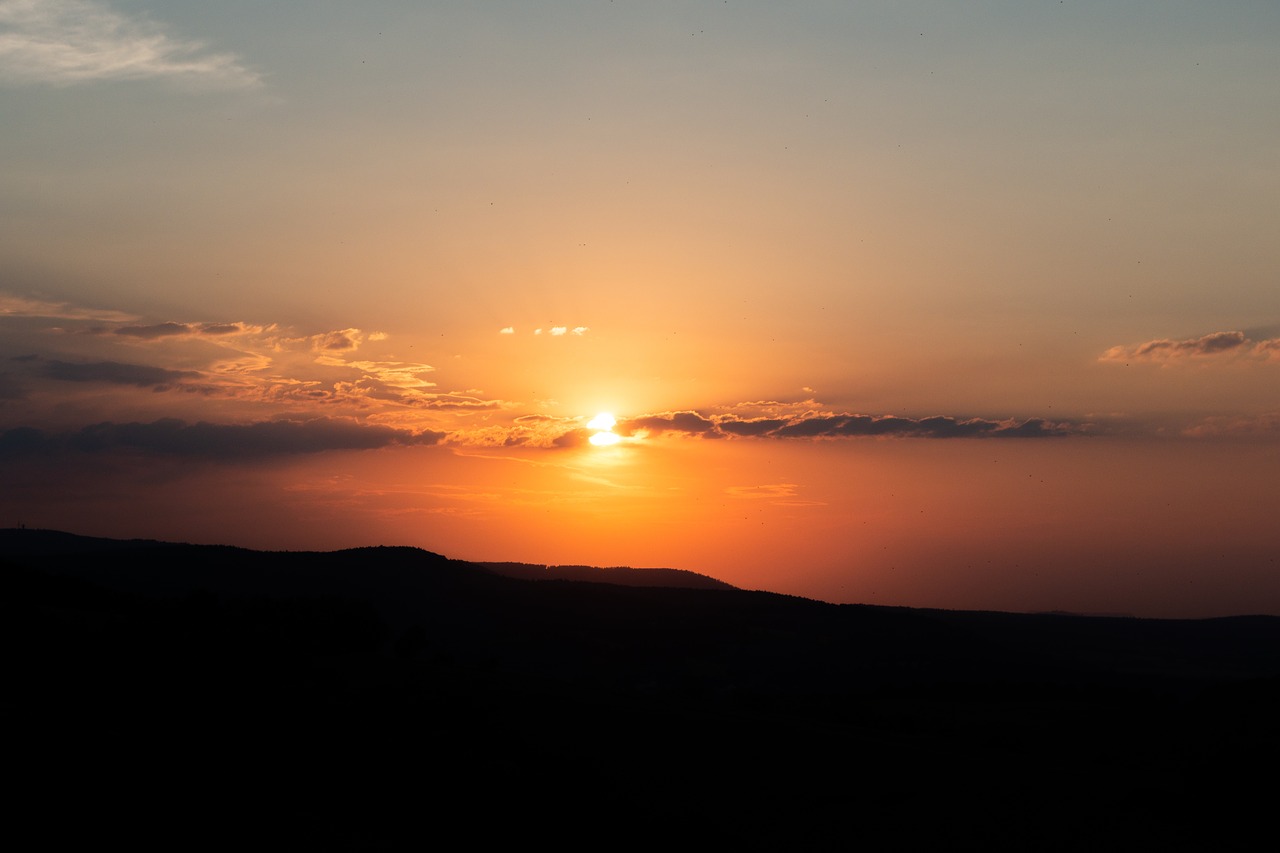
column 1268, row 349
column 15, row 305
column 1263, row 425
column 346, row 340
column 266, row 370
column 1215, row 346
column 538, row 431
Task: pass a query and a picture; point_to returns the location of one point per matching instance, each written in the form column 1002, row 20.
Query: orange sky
column 897, row 303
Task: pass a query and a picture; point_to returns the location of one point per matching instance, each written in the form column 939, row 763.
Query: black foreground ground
column 182, row 696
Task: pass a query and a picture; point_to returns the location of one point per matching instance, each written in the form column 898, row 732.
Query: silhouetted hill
column 354, row 698
column 622, row 575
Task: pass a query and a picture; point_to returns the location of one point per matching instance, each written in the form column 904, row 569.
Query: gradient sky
column 918, row 303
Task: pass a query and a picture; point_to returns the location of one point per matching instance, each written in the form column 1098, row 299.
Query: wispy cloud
column 1263, row 425
column 15, row 305
column 778, row 494
column 1217, row 346
column 253, row 365
column 769, row 491
column 64, row 42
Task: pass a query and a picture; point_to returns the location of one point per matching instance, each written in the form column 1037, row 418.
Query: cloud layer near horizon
column 223, row 442
column 1212, row 347
column 821, row 425
column 91, row 378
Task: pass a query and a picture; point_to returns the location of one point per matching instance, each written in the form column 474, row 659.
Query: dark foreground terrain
column 192, row 696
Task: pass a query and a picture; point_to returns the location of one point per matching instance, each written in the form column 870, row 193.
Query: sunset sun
column 603, row 424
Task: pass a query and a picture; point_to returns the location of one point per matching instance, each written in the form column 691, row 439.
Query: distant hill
column 622, row 575
column 371, row 697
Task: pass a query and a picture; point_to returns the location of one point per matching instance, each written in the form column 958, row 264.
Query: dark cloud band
column 114, row 372
column 827, row 425
column 202, row 440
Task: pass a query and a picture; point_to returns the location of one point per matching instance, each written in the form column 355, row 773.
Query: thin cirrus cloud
column 1215, row 346
column 16, row 305
column 1264, row 425
column 65, row 42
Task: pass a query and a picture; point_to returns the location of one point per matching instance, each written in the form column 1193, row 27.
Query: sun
column 603, row 425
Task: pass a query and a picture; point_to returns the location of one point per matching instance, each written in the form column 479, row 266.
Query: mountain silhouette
column 385, row 696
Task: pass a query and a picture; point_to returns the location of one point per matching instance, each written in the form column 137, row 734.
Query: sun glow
column 603, row 425
column 603, row 421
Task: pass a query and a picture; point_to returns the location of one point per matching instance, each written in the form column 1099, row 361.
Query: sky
column 909, row 303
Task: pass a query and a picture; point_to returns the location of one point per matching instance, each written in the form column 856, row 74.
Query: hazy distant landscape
column 347, row 698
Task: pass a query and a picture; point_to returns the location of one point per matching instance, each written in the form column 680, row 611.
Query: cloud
column 1268, row 349
column 170, row 330
column 555, row 432
column 114, row 372
column 777, row 494
column 541, row 431
column 1264, row 425
column 13, row 305
column 346, row 340
column 265, row 369
column 1215, row 346
column 828, row 425
column 690, row 423
column 507, row 330
column 159, row 330
column 64, row 42
column 773, row 490
column 555, row 331
column 750, row 426
column 397, row 374
column 225, row 442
